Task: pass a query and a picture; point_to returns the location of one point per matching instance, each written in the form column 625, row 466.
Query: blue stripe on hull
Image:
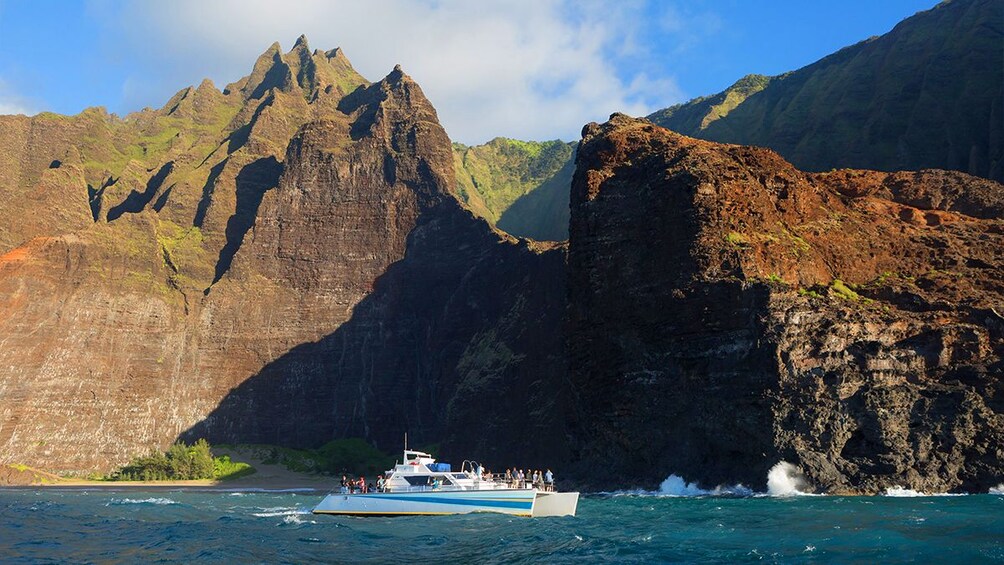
column 465, row 502
column 518, row 502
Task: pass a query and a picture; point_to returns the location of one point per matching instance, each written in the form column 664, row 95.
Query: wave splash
column 785, row 479
column 999, row 489
column 675, row 485
column 902, row 492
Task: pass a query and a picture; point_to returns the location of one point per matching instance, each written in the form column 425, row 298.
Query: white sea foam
column 296, row 519
column 248, row 490
column 675, row 485
column 902, row 492
column 785, row 479
column 280, row 511
column 158, row 501
column 999, row 489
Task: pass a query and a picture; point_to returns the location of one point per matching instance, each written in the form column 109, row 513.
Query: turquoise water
column 106, row 526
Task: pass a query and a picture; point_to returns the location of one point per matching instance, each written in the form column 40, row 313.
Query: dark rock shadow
column 207, row 193
column 253, row 181
column 368, row 98
column 458, row 343
column 162, row 199
column 136, row 201
column 240, row 136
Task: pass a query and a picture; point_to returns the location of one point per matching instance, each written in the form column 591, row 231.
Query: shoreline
column 165, row 486
column 267, row 477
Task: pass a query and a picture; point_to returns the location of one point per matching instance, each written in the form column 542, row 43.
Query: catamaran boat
column 421, row 486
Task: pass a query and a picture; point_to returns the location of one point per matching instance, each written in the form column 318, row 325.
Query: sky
column 526, row 69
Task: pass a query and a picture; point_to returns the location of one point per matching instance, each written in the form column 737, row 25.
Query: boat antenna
column 406, row 441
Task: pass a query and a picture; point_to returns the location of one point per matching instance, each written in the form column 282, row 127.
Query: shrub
column 182, row 462
column 843, row 291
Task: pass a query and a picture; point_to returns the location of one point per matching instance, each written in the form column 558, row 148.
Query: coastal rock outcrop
column 727, row 311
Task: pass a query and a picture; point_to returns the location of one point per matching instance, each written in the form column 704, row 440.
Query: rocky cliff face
column 520, row 186
column 281, row 261
column 728, row 311
column 930, row 93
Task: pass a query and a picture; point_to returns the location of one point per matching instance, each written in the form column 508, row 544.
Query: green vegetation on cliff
column 182, row 462
column 519, row 186
column 699, row 113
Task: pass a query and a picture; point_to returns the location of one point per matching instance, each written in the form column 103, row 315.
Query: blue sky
column 531, row 69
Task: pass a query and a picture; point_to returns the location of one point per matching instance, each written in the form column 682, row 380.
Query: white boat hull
column 517, row 502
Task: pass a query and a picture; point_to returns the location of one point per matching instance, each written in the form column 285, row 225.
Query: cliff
column 728, row 311
column 283, row 260
column 519, row 186
column 928, row 94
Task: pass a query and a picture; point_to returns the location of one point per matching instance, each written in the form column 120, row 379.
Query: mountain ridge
column 927, row 94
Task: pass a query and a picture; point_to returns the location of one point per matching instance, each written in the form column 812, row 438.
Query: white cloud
column 531, row 69
column 11, row 103
column 7, row 109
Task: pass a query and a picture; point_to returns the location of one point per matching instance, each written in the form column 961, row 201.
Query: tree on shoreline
column 182, row 462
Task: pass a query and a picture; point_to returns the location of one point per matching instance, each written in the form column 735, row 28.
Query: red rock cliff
column 728, row 311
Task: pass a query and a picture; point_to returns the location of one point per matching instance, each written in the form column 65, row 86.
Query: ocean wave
column 296, row 519
column 280, row 511
column 156, row 501
column 258, row 490
column 902, row 492
column 783, row 479
column 676, row 486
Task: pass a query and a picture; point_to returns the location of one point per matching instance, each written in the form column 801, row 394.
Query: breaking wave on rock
column 675, row 485
column 898, row 491
column 999, row 489
column 785, row 479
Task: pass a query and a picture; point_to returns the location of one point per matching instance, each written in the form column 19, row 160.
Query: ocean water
column 130, row 526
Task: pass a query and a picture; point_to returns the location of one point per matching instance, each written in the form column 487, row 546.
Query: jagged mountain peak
column 311, row 72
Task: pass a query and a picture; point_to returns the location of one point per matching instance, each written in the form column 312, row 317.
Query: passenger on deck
column 508, row 477
column 381, row 484
column 549, row 480
column 345, row 485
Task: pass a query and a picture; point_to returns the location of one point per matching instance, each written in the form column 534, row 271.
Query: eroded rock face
column 408, row 313
column 728, row 311
column 292, row 267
